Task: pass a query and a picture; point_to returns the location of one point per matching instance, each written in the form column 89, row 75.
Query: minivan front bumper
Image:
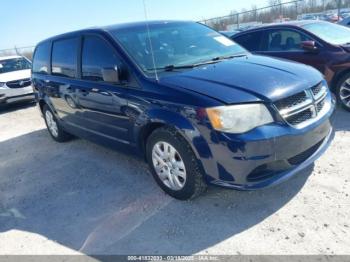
column 267, row 155
column 278, row 177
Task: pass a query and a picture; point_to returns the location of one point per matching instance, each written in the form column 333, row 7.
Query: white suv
column 15, row 82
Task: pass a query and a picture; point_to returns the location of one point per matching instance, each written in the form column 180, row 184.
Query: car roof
column 122, row 26
column 297, row 23
column 141, row 24
column 9, row 57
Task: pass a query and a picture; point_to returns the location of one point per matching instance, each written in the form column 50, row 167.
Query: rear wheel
column 54, row 128
column 343, row 92
column 174, row 165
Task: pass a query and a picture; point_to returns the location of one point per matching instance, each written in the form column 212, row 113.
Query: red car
column 320, row 44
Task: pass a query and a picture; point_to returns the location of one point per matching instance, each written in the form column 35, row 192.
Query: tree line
column 276, row 10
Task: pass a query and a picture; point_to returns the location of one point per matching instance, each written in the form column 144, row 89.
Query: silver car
column 15, row 82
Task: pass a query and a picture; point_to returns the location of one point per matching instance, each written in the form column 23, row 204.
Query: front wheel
column 174, row 165
column 343, row 92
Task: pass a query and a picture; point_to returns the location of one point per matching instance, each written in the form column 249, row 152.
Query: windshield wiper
column 173, row 67
column 219, row 58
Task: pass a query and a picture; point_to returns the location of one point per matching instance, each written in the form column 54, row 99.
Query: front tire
column 53, row 126
column 343, row 92
column 173, row 164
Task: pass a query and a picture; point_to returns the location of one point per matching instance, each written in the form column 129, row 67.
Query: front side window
column 331, row 33
column 285, row 40
column 64, row 57
column 98, row 59
column 174, row 44
column 250, row 41
column 41, row 59
column 14, row 64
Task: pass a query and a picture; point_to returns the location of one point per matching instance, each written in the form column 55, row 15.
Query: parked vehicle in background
column 333, row 18
column 196, row 105
column 345, row 15
column 307, row 17
column 345, row 22
column 15, row 83
column 230, row 33
column 323, row 45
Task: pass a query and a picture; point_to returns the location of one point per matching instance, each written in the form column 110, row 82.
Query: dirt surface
column 79, row 197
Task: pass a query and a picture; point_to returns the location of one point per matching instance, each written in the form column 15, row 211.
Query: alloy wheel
column 344, row 93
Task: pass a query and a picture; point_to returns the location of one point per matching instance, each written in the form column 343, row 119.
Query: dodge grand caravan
column 197, row 106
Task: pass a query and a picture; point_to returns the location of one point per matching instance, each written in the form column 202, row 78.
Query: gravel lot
column 79, row 197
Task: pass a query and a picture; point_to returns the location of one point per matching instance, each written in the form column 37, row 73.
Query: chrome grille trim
column 300, row 113
column 319, row 92
column 296, row 109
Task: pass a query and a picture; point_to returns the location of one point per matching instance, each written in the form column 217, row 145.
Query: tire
column 343, row 91
column 184, row 162
column 58, row 134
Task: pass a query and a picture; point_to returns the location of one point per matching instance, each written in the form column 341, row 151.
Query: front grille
column 300, row 117
column 19, row 83
column 317, row 89
column 297, row 110
column 300, row 158
column 291, row 101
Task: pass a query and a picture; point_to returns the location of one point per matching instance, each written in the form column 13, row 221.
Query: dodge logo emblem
column 21, row 83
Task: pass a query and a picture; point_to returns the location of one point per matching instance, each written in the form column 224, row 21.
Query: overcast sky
column 25, row 22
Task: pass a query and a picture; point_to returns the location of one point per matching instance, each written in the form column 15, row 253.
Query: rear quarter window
column 41, row 59
column 250, row 41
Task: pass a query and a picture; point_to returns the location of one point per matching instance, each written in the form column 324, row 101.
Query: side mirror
column 309, row 46
column 115, row 75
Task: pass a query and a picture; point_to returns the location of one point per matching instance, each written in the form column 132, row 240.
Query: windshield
column 14, row 64
column 331, row 33
column 174, row 44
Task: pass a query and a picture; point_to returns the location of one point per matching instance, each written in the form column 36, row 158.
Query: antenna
column 150, row 41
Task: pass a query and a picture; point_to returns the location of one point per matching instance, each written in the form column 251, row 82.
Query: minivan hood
column 15, row 75
column 246, row 79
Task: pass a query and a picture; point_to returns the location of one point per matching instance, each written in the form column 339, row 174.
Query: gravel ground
column 79, row 197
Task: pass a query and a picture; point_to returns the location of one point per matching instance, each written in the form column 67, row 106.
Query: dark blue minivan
column 197, row 106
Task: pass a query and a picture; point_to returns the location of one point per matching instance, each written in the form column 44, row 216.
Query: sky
column 26, row 22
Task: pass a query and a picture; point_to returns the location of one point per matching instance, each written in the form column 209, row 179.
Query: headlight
column 239, row 118
column 2, row 84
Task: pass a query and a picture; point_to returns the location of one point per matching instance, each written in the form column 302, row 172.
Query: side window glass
column 41, row 59
column 251, row 41
column 285, row 40
column 99, row 60
column 64, row 57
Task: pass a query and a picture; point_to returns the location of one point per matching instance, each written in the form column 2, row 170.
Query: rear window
column 41, row 58
column 250, row 41
column 64, row 57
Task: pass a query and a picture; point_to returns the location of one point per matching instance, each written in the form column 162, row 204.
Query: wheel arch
column 164, row 118
column 41, row 104
column 44, row 101
column 337, row 77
